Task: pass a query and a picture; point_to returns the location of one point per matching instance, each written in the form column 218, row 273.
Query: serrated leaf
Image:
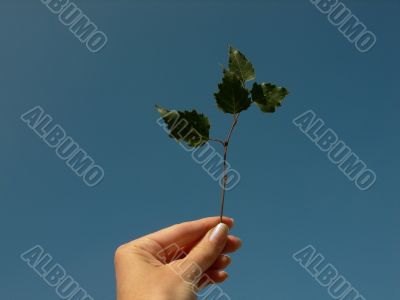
column 232, row 97
column 240, row 65
column 268, row 96
column 190, row 127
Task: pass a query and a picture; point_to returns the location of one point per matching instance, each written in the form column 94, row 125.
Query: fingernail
column 219, row 233
column 223, row 274
column 227, row 259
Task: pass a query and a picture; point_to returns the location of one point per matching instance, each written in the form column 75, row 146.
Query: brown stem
column 225, row 177
column 217, row 140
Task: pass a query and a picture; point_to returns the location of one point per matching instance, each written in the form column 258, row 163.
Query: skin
column 176, row 262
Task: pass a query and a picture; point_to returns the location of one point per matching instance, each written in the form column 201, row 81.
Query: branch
column 225, row 177
column 218, row 141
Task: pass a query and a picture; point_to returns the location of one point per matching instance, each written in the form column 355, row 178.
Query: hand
column 175, row 263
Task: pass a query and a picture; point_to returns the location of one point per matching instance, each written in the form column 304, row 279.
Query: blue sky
column 169, row 52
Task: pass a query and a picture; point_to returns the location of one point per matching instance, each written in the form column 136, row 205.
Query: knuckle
column 120, row 252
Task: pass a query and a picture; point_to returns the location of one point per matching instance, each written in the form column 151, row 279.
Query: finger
column 217, row 276
column 212, row 277
column 233, row 244
column 221, row 263
column 187, row 232
column 209, row 248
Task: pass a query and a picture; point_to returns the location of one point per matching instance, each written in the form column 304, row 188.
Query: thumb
column 209, row 248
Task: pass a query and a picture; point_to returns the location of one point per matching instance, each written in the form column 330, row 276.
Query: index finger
column 186, row 232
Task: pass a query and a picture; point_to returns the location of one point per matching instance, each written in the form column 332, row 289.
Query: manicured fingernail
column 219, row 233
column 223, row 274
column 227, row 259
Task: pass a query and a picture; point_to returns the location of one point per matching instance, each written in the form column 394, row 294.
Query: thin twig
column 217, row 140
column 225, row 177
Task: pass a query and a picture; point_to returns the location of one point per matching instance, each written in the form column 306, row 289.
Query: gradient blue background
column 168, row 52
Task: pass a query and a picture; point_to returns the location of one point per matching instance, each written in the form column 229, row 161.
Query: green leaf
column 232, row 97
column 268, row 96
column 240, row 65
column 190, row 127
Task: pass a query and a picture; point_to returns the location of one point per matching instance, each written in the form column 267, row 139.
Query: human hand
column 175, row 263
